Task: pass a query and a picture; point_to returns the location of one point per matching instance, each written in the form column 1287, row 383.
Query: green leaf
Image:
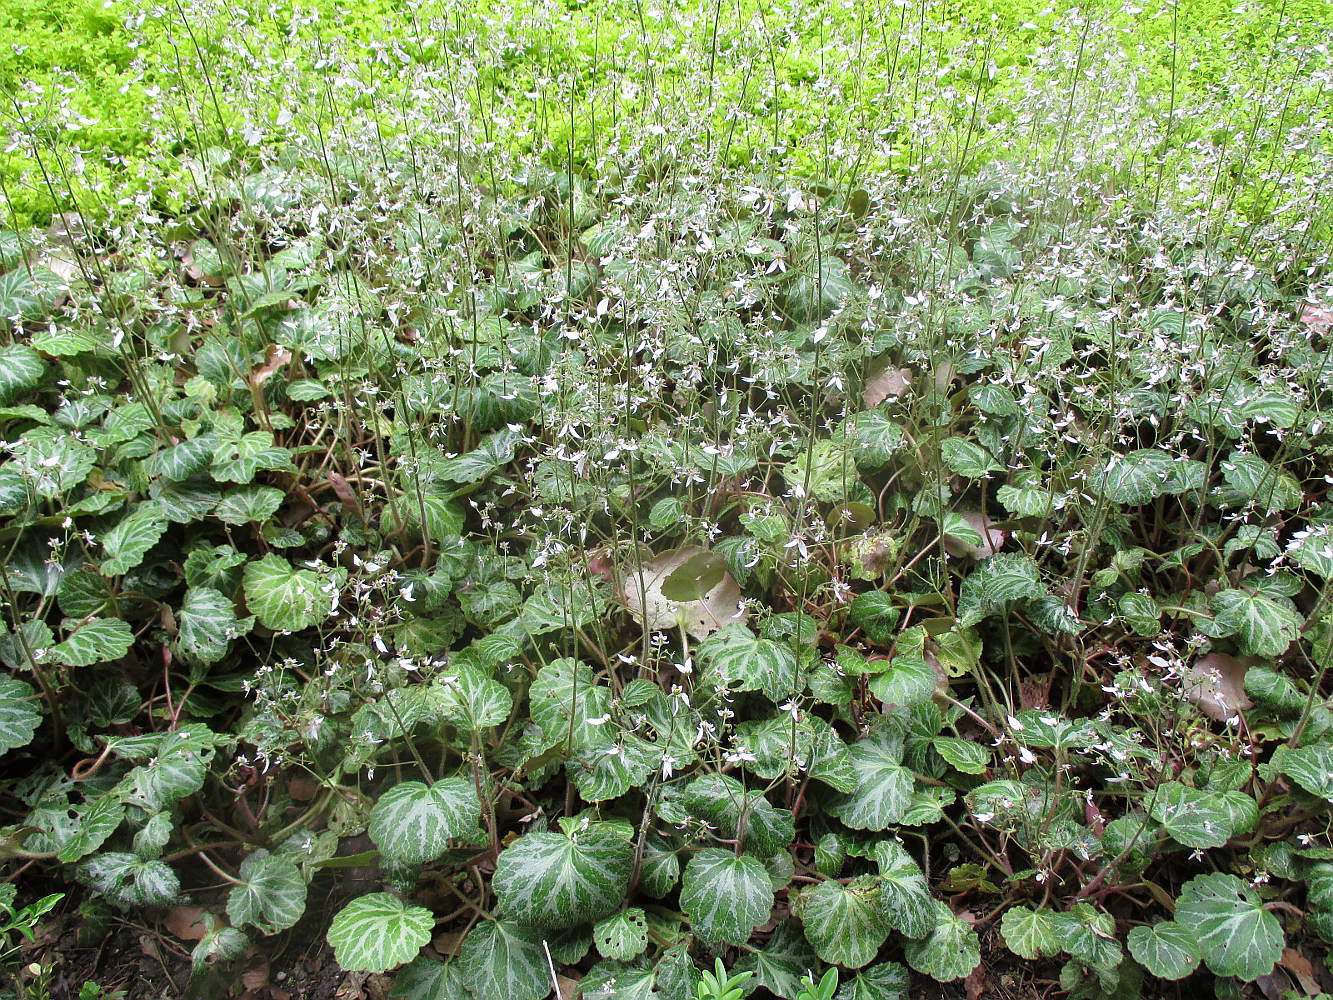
column 19, row 716
column 1249, row 477
column 125, row 545
column 271, row 895
column 720, row 799
column 21, row 369
column 94, row 641
column 873, row 612
column 1138, row 477
column 884, row 786
column 622, row 936
column 1266, row 625
column 726, row 897
column 128, row 880
column 968, row 458
column 426, row 979
column 502, row 960
column 470, row 700
column 206, row 625
column 247, row 504
column 694, row 578
column 495, row 451
column 886, row 981
column 1031, row 934
column 1226, row 919
column 744, row 662
column 964, row 755
column 554, row 880
column 996, row 584
column 909, row 680
column 378, row 932
column 950, row 951
column 284, row 598
column 53, row 460
column 1202, row 819
column 904, row 894
column 1166, row 949
column 1310, row 767
column 240, row 459
column 29, row 294
column 413, row 822
column 844, row 923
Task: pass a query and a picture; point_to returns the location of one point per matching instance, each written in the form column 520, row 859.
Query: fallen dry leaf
column 642, row 594
column 1216, row 684
column 302, row 787
column 569, row 988
column 185, row 923
column 1303, row 969
column 887, row 384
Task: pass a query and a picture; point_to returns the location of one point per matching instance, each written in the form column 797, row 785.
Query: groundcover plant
column 547, row 500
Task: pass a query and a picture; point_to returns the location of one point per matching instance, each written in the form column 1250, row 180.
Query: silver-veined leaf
column 554, row 879
column 725, row 896
column 378, row 932
column 21, row 369
column 503, row 960
column 950, row 951
column 271, row 894
column 622, row 936
column 1202, row 818
column 206, row 625
column 19, row 716
column 886, row 981
column 413, row 822
column 1226, row 918
column 1031, row 934
column 884, row 786
column 284, row 598
column 904, row 894
column 1265, row 624
column 844, row 923
column 1165, row 949
column 94, row 641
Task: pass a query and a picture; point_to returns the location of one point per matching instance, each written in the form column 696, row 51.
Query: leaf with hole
column 622, row 936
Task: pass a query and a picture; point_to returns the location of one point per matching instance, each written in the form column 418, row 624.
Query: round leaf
column 379, row 932
column 554, row 880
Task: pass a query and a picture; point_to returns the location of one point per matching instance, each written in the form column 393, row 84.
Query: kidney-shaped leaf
column 413, row 822
column 555, row 880
column 726, row 897
column 271, row 893
column 378, row 932
column 844, row 923
column 1166, row 949
column 1235, row 934
column 950, row 951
